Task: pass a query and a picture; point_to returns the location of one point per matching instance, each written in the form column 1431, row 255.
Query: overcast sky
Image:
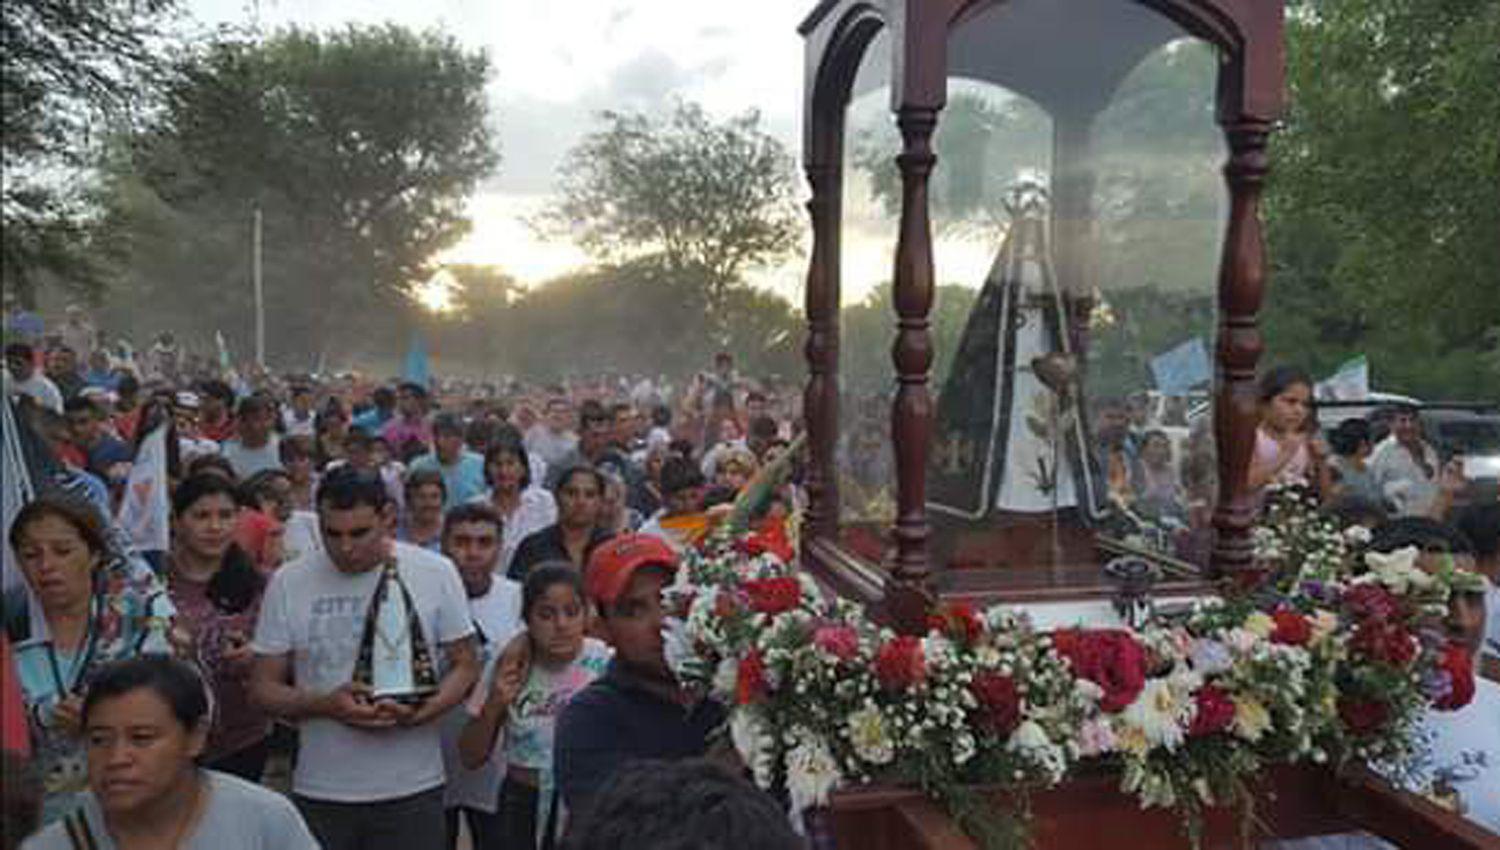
column 558, row 63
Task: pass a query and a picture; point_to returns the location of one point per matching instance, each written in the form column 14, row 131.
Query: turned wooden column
column 820, row 399
column 911, row 412
column 1242, row 279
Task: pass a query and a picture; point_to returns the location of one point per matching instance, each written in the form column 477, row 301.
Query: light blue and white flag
column 1183, row 368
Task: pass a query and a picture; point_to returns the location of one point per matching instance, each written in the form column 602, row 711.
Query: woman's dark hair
column 216, row 464
column 1350, row 434
column 507, row 447
column 236, row 584
column 155, row 413
column 83, row 516
column 580, row 469
column 1276, row 380
column 176, row 682
column 545, row 575
column 258, row 488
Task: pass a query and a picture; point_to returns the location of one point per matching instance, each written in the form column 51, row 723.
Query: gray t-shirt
column 317, row 614
column 239, row 816
column 247, row 461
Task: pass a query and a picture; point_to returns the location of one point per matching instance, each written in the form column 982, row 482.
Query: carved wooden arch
column 830, row 83
column 1249, row 98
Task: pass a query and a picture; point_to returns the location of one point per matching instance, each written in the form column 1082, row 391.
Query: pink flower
column 841, row 642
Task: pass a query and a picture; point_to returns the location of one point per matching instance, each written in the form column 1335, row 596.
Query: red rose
column 773, row 595
column 1363, row 716
column 750, row 685
column 1109, row 658
column 1214, row 712
column 1458, row 664
column 1372, row 602
column 999, row 702
column 1291, row 628
column 900, row 664
column 841, row 642
column 1384, row 642
column 958, row 621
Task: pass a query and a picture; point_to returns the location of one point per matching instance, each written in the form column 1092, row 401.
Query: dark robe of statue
column 1009, row 438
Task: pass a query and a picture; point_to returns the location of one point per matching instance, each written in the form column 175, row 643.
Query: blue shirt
column 463, row 479
column 371, row 421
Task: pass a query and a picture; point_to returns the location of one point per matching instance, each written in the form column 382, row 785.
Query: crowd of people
column 522, row 533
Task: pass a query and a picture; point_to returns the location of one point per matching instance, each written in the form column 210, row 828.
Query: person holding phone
column 216, row 589
column 85, row 605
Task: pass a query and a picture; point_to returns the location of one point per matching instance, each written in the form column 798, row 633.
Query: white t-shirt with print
column 532, row 720
column 497, row 614
column 317, row 614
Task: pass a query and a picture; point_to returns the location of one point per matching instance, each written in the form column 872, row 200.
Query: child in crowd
column 1287, row 446
column 523, row 694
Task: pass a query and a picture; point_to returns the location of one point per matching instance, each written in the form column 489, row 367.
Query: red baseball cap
column 615, row 560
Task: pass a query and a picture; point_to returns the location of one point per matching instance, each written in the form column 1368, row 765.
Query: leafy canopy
column 712, row 199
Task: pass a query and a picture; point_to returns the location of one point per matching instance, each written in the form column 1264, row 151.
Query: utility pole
column 260, row 293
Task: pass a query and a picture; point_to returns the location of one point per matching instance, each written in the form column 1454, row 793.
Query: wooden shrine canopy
column 1069, row 57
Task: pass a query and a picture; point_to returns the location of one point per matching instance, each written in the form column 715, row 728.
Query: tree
column 710, row 200
column 359, row 147
column 868, row 330
column 984, row 143
column 68, row 66
column 1384, row 204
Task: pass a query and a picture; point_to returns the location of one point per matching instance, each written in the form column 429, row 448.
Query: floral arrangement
column 1330, row 654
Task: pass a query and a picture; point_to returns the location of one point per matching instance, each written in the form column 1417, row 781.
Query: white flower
column 747, row 729
column 1357, row 535
column 677, row 646
column 1095, row 737
column 1031, row 741
column 811, row 772
column 1162, row 712
column 1398, row 570
column 726, row 677
column 869, row 735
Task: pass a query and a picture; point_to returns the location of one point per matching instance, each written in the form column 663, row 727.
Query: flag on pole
column 415, row 369
column 1183, row 368
column 17, row 489
column 225, row 364
column 1350, row 383
column 143, row 513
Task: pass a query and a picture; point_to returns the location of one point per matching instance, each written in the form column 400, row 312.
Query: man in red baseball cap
column 636, row 710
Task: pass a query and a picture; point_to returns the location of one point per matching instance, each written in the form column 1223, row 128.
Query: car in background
column 1471, row 433
column 1374, row 407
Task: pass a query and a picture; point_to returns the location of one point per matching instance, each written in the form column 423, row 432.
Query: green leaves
column 709, row 199
column 1384, row 202
column 359, row 146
